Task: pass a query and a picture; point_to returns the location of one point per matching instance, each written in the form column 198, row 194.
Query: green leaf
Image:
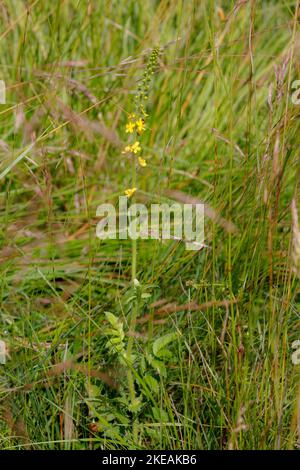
column 146, row 295
column 113, row 320
column 152, row 383
column 157, row 365
column 160, row 343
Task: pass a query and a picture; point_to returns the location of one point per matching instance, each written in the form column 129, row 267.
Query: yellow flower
column 136, row 148
column 130, row 191
column 142, row 161
column 131, row 116
column 140, row 124
column 130, row 127
column 127, row 149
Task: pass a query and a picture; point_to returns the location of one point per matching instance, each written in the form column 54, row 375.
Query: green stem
column 130, row 378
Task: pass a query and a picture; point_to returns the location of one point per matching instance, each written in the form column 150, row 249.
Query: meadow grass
column 209, row 333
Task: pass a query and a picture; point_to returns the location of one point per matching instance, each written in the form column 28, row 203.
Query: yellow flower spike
column 140, row 124
column 130, row 126
column 136, row 148
column 130, row 191
column 142, row 162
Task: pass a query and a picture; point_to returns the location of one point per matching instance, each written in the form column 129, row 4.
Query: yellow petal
column 130, row 191
column 129, row 128
column 135, row 148
column 140, row 124
column 127, row 149
column 142, row 162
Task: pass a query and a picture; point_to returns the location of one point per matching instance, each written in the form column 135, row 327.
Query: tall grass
column 211, row 347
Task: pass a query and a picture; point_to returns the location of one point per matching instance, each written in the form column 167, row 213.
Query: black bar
column 142, row 458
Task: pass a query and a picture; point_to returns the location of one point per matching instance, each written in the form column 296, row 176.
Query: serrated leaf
column 113, row 320
column 160, row 415
column 135, row 406
column 164, row 353
column 158, row 366
column 146, row 295
column 162, row 342
column 152, row 383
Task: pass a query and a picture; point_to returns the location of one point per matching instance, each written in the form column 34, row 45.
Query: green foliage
column 159, row 345
column 196, row 352
column 116, row 334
